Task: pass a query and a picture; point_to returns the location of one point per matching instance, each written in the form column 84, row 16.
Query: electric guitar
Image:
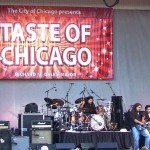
column 142, row 127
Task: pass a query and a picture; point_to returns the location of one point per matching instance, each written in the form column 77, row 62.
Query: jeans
column 136, row 136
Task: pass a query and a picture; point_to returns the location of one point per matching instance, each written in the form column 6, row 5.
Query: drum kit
column 71, row 117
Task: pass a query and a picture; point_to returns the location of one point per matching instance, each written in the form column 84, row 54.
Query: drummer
column 87, row 106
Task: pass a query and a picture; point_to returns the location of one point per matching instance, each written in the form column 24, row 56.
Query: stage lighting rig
column 110, row 5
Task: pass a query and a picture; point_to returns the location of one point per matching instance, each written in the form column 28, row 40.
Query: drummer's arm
column 82, row 104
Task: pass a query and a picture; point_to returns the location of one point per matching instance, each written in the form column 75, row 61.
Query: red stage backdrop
column 55, row 43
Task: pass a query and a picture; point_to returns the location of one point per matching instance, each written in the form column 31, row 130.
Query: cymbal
column 47, row 99
column 101, row 99
column 79, row 100
column 57, row 102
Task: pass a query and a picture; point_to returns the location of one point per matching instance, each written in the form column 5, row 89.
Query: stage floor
column 124, row 139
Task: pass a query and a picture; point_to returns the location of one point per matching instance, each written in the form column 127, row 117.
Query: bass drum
column 97, row 122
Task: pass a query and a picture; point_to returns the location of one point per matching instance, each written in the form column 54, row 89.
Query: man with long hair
column 88, row 105
column 137, row 126
column 147, row 117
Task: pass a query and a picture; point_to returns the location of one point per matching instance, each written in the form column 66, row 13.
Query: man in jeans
column 137, row 126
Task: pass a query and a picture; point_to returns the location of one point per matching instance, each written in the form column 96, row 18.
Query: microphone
column 54, row 85
column 97, row 103
column 107, row 83
column 81, row 92
column 92, row 91
column 71, row 83
column 85, row 86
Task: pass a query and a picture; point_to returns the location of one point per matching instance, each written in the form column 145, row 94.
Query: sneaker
column 144, row 148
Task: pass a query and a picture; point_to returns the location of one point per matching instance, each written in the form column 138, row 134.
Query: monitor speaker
column 42, row 146
column 107, row 146
column 65, row 146
column 20, row 142
column 41, row 136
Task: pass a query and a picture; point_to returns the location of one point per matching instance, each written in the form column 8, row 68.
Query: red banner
column 55, row 43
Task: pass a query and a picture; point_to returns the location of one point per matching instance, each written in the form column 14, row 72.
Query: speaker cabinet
column 4, row 125
column 5, row 140
column 88, row 145
column 107, row 146
column 41, row 136
column 24, row 122
column 117, row 111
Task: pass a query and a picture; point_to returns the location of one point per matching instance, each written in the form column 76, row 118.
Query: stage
column 124, row 140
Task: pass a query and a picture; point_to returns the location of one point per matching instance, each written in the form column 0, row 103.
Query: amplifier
column 24, row 122
column 4, row 125
column 41, row 136
column 41, row 124
column 5, row 140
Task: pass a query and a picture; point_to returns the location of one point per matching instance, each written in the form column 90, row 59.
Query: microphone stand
column 113, row 109
column 49, row 90
column 83, row 94
column 95, row 94
column 67, row 101
column 47, row 95
column 86, row 89
column 66, row 97
column 109, row 84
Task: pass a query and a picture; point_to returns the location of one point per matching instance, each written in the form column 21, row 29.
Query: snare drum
column 97, row 122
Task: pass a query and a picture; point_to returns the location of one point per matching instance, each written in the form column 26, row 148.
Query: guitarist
column 147, row 117
column 137, row 126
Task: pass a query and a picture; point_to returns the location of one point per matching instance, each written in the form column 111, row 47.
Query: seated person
column 87, row 106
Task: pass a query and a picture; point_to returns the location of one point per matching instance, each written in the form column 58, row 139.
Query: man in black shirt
column 87, row 106
column 147, row 117
column 137, row 126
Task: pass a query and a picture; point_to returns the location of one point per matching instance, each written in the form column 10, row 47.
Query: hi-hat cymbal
column 47, row 100
column 78, row 100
